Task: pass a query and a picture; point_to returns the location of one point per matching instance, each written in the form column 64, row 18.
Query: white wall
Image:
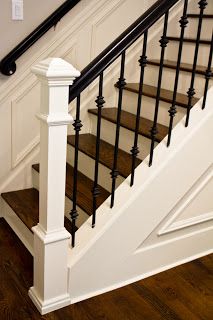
column 12, row 32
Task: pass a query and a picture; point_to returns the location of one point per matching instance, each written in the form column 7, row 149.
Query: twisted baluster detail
column 191, row 92
column 172, row 111
column 135, row 150
column 77, row 127
column 154, row 131
column 208, row 74
column 96, row 191
column 121, row 85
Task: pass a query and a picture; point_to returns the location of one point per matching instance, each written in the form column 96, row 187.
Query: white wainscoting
column 77, row 38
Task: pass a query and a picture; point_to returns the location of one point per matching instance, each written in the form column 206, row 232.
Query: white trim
column 99, row 19
column 51, row 236
column 49, row 305
column 22, row 155
column 17, row 158
column 184, row 259
column 178, row 225
column 56, row 119
column 198, row 186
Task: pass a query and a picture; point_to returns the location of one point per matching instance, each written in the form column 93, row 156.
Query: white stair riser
column 187, row 53
column 191, row 29
column 126, row 141
column 151, row 77
column 148, row 106
column 83, row 216
column 21, row 230
column 86, row 165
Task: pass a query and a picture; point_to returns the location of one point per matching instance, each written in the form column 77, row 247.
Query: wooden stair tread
column 25, row 203
column 84, row 189
column 128, row 121
column 87, row 145
column 165, row 95
column 173, row 64
column 192, row 40
column 196, row 15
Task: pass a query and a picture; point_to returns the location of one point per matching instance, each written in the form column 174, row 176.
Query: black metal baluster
column 77, row 127
column 191, row 91
column 95, row 191
column 163, row 43
column 121, row 85
column 172, row 111
column 208, row 74
column 135, row 150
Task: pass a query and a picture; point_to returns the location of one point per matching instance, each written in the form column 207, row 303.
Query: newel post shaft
column 51, row 240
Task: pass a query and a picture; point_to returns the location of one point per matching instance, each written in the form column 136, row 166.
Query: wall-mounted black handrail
column 8, row 63
column 119, row 45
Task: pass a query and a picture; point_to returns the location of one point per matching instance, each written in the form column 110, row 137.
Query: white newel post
column 51, row 240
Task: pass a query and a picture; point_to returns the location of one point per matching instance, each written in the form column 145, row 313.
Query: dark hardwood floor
column 182, row 293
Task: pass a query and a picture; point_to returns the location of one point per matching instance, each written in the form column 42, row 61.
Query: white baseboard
column 162, row 260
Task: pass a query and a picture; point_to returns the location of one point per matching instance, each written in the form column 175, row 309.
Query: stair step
column 84, row 189
column 191, row 40
column 25, row 204
column 173, row 64
column 195, row 15
column 165, row 95
column 128, row 121
column 87, row 145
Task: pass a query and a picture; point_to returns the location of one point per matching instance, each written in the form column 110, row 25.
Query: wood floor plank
column 128, row 121
column 87, row 145
column 162, row 288
column 84, row 189
column 165, row 95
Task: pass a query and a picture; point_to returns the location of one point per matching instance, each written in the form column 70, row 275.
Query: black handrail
column 8, row 64
column 119, row 45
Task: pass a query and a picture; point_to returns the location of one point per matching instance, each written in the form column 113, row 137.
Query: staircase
column 112, row 134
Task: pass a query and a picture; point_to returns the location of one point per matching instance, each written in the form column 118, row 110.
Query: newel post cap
column 56, row 69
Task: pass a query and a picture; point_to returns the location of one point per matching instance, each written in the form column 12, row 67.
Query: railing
column 57, row 87
column 8, row 63
column 96, row 69
column 117, row 50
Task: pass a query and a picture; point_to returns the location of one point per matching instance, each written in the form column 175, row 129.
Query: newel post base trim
column 48, row 305
column 50, row 290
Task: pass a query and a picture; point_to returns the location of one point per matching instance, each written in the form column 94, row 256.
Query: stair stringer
column 110, row 255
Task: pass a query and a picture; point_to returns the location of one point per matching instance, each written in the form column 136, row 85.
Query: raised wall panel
column 25, row 126
column 70, row 55
column 108, row 21
column 188, row 215
column 195, row 207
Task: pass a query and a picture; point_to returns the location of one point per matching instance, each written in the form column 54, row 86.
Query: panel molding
column 171, row 225
column 179, row 225
column 105, row 14
column 17, row 157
